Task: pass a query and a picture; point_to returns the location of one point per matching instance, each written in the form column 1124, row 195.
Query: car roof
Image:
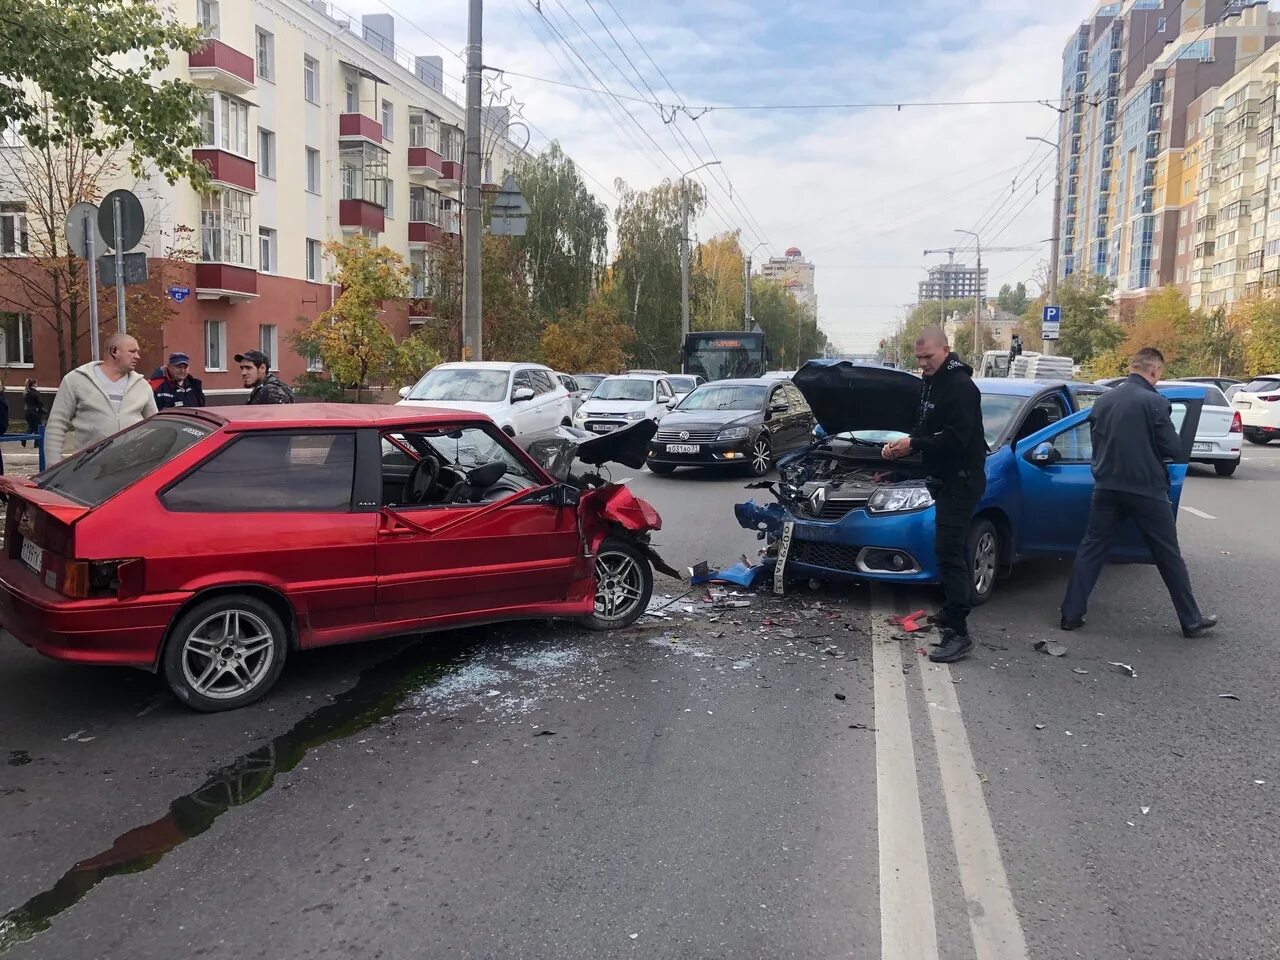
column 1014, row 386
column 348, row 415
column 639, row 376
column 486, row 365
column 743, row 382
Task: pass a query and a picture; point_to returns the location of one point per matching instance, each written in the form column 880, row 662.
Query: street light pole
column 472, row 300
column 1047, row 345
column 684, row 250
column 977, row 299
column 746, row 293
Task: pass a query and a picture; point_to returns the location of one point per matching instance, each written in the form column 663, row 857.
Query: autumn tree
column 790, row 329
column 83, row 71
column 351, row 337
column 717, row 288
column 592, row 339
column 1256, row 322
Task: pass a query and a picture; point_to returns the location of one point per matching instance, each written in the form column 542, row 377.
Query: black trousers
column 1155, row 521
column 955, row 500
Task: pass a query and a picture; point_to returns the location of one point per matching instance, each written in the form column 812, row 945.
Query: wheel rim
column 228, row 654
column 984, row 563
column 619, row 586
column 760, row 456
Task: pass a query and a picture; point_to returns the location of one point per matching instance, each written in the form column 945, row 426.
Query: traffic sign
column 132, row 219
column 135, row 269
column 1051, row 326
column 1052, row 313
column 78, row 217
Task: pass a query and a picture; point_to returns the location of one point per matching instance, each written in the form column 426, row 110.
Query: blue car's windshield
column 997, row 413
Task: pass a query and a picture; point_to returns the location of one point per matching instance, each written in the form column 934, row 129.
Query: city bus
column 724, row 355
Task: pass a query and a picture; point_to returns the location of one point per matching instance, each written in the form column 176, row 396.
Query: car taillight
column 1237, row 425
column 1271, row 399
column 101, row 578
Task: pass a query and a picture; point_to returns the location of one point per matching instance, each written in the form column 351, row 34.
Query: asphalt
column 690, row 788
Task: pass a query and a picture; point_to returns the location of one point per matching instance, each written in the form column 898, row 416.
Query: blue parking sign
column 1052, row 314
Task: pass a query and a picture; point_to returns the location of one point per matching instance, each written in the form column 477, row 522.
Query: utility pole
column 746, row 293
column 684, row 247
column 977, row 298
column 472, row 314
column 1048, row 345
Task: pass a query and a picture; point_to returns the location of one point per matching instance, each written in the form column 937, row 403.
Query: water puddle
column 379, row 693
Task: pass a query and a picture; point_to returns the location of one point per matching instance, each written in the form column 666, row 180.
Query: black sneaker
column 1200, row 629
column 955, row 646
column 1069, row 623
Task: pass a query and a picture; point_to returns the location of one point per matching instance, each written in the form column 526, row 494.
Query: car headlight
column 733, row 433
column 899, row 499
column 635, row 415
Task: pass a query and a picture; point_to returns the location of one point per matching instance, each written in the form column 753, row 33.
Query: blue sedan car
column 842, row 512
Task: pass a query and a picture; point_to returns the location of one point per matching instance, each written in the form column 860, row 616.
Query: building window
column 13, row 229
column 224, row 121
column 424, row 129
column 266, row 154
column 418, row 271
column 1161, row 24
column 313, row 260
column 215, row 345
column 390, row 208
column 207, row 16
column 10, row 136
column 15, row 340
column 451, row 144
column 314, row 363
column 311, row 79
column 266, row 55
column 268, row 343
column 424, row 205
column 352, row 97
column 363, row 169
column 224, row 228
column 388, row 120
column 267, row 250
column 313, row 170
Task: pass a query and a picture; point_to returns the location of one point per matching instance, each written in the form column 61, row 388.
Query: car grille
column 673, row 435
column 837, row 509
column 834, row 556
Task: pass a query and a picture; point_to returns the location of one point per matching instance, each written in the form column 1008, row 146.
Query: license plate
column 32, row 556
column 1202, row 447
column 1243, row 404
column 604, row 427
column 683, row 448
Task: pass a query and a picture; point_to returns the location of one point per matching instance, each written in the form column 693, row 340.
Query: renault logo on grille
column 818, row 500
column 684, row 434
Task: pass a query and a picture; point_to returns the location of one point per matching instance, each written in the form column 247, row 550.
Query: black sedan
column 732, row 423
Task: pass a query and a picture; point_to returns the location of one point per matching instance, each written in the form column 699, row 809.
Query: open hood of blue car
column 856, row 396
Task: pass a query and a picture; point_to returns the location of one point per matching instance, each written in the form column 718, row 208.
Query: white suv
column 1258, row 403
column 518, row 397
column 618, row 401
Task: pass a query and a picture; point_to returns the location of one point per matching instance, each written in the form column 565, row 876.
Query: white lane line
column 907, row 927
column 1198, row 513
column 993, row 918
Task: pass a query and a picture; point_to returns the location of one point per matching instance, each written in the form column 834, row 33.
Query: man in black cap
column 265, row 386
column 175, row 387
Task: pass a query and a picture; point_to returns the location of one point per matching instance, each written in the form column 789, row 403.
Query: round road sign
column 132, row 220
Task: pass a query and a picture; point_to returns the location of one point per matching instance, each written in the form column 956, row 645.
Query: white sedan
column 518, row 397
column 1258, row 403
column 1220, row 431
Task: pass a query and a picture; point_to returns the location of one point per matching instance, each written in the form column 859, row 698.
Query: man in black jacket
column 1133, row 437
column 265, row 386
column 950, row 439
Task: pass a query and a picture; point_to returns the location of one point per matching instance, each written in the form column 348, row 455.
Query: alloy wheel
column 984, row 563
column 228, row 654
column 761, row 457
column 619, row 585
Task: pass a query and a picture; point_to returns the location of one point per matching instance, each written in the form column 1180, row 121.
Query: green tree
column 790, row 329
column 900, row 346
column 592, row 339
column 1012, row 299
column 83, row 70
column 511, row 328
column 1087, row 327
column 567, row 234
column 962, row 344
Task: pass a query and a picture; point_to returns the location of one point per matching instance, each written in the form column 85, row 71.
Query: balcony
column 356, row 126
column 425, row 163
column 228, row 168
column 223, row 281
column 221, row 67
column 450, row 176
column 421, row 310
column 420, row 231
column 355, row 214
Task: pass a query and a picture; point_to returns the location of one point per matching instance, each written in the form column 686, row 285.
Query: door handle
column 401, row 532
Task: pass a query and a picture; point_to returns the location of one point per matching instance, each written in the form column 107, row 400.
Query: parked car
column 1222, row 383
column 618, row 401
column 649, row 373
column 307, row 525
column 518, row 397
column 577, row 393
column 842, row 512
column 589, row 381
column 684, row 385
column 1258, row 403
column 732, row 423
column 1218, row 437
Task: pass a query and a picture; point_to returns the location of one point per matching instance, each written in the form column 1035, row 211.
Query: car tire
column 983, row 553
column 1260, row 439
column 1226, row 468
column 760, row 457
column 240, row 633
column 662, row 469
column 624, row 584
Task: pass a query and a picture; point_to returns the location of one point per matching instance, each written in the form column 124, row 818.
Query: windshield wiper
column 93, row 453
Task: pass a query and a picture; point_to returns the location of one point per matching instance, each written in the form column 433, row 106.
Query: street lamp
column 977, row 299
column 746, row 300
column 684, row 249
column 1047, row 345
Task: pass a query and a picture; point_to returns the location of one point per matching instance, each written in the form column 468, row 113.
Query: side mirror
column 521, row 394
column 404, row 392
column 672, row 402
column 564, row 495
column 778, row 408
column 1044, row 454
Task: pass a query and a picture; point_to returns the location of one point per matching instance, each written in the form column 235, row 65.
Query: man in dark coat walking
column 1133, row 439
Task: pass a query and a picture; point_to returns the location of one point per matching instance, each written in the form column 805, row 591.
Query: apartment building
column 317, row 126
column 1129, row 73
column 796, row 274
column 952, row 281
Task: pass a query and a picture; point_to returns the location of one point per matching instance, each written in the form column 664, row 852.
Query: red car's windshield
column 98, row 473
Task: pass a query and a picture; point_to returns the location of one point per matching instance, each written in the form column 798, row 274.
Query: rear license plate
column 1202, row 447
column 32, row 556
column 1243, row 404
column 683, row 448
column 604, row 427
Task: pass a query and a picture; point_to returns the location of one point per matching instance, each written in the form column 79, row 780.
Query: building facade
column 316, row 127
column 953, row 281
column 796, row 274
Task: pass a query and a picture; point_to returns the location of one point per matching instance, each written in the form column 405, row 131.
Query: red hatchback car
column 209, row 543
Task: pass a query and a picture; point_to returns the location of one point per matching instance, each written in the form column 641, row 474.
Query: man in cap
column 265, row 386
column 176, row 387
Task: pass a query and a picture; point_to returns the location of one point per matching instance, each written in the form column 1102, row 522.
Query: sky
column 861, row 191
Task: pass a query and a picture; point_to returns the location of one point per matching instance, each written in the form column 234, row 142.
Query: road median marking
column 908, row 930
column 1198, row 513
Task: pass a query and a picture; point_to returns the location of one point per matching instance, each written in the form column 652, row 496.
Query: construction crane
column 952, row 251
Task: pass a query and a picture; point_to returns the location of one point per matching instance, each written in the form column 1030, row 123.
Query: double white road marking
column 908, row 927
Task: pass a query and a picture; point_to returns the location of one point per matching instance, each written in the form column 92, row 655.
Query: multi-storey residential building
column 952, row 281
column 1129, row 73
column 315, row 128
column 796, row 274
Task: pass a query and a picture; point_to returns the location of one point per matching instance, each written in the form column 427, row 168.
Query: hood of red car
column 848, row 396
column 556, row 450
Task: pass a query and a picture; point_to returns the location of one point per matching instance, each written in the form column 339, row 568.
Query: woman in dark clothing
column 33, row 407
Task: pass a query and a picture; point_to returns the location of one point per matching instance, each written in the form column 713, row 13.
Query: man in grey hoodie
column 98, row 399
